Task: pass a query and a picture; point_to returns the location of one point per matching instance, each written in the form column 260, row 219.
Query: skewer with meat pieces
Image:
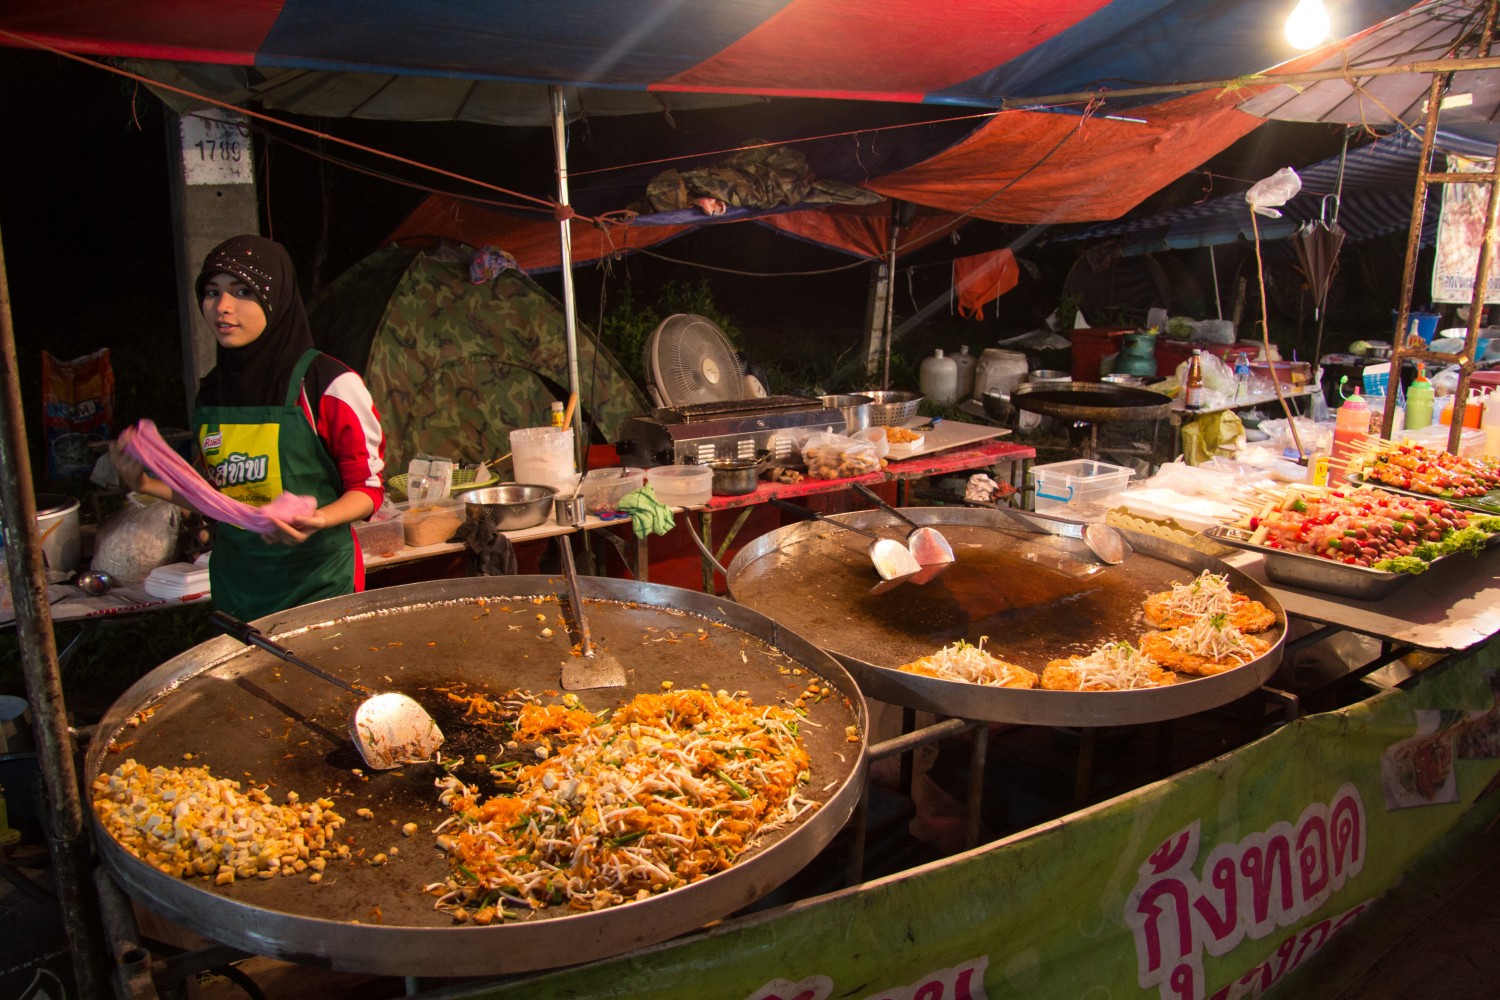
column 1114, row 666
column 964, row 662
column 1206, row 594
column 1208, row 646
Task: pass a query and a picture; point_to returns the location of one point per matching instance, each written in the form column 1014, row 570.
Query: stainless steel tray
column 1298, row 569
column 1487, row 504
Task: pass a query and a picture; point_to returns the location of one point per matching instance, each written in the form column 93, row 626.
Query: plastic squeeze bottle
column 938, row 378
column 1419, row 401
column 1351, row 428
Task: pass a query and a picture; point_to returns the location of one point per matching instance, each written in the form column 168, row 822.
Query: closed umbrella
column 1317, row 244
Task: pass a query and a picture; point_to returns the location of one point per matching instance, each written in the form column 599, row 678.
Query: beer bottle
column 1192, row 390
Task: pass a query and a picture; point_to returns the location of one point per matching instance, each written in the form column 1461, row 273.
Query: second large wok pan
column 1030, row 597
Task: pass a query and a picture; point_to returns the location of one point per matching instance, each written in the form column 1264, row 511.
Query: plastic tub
column 431, row 522
column 681, row 485
column 603, row 488
column 1079, row 482
column 381, row 538
column 544, row 455
column 57, row 524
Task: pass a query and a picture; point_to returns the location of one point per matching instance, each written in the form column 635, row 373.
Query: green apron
column 253, row 454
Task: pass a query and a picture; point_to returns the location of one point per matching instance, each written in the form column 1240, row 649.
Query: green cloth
column 1212, row 434
column 648, row 515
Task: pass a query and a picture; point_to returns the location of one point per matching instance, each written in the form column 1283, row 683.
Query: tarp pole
column 565, row 236
column 67, row 832
column 1213, row 267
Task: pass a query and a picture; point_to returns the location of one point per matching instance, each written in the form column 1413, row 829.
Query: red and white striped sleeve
column 349, row 427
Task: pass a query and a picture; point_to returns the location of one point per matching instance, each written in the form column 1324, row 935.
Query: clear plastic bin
column 682, row 485
column 431, row 522
column 1077, row 483
column 603, row 488
column 380, row 538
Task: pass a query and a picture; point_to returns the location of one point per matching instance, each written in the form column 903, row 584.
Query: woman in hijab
column 274, row 416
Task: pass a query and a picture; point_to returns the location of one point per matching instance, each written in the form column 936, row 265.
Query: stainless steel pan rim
column 443, row 949
column 799, row 608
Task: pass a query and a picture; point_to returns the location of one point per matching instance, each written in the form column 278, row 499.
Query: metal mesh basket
column 891, row 406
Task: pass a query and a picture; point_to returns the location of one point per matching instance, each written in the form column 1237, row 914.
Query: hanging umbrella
column 1317, row 244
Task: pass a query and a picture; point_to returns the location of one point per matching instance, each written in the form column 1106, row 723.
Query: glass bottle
column 1193, row 390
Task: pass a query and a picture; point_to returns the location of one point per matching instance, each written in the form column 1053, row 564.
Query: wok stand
column 1086, row 405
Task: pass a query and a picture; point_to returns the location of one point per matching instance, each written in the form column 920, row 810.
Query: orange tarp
column 1041, row 167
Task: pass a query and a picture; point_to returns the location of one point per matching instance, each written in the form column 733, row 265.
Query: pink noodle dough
column 144, row 443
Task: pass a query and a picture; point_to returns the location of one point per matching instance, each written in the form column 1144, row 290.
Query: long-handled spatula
column 594, row 668
column 388, row 729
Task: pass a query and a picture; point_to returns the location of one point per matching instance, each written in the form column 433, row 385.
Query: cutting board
column 948, row 434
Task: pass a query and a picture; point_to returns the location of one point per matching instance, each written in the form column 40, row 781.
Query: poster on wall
column 1460, row 234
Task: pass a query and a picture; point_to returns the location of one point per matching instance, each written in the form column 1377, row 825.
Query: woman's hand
column 129, row 468
column 297, row 531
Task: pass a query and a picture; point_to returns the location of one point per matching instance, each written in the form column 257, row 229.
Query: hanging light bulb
column 1308, row 24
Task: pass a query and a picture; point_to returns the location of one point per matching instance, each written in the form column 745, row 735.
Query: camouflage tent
column 455, row 366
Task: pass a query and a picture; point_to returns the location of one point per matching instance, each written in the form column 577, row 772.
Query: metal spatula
column 388, row 729
column 595, row 668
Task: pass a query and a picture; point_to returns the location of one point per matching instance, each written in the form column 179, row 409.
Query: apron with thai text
column 253, row 454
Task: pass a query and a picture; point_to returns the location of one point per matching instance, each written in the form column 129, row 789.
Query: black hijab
column 257, row 374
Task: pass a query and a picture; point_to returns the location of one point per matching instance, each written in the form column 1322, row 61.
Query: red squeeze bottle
column 1350, row 430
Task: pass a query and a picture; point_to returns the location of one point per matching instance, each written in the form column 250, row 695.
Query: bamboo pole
column 67, row 835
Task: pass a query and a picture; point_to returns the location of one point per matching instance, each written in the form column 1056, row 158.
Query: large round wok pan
column 1035, row 598
column 241, row 711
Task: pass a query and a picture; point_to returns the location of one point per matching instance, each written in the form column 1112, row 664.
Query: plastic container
column 938, row 378
column 966, row 363
column 57, row 525
column 1078, row 482
column 603, row 488
column 1091, row 345
column 431, row 522
column 381, row 538
column 1471, row 443
column 998, row 371
column 681, row 485
column 543, row 456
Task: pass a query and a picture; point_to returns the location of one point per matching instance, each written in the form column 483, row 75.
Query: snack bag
column 834, row 456
column 78, row 403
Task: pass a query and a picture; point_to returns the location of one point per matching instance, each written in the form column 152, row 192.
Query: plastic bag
column 834, row 456
column 1267, row 195
column 876, row 436
column 140, row 537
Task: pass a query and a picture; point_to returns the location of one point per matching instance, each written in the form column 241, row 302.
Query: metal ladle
column 892, row 560
column 927, row 545
column 1103, row 540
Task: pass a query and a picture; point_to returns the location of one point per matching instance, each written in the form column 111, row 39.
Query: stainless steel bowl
column 855, row 408
column 891, row 406
column 509, row 506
